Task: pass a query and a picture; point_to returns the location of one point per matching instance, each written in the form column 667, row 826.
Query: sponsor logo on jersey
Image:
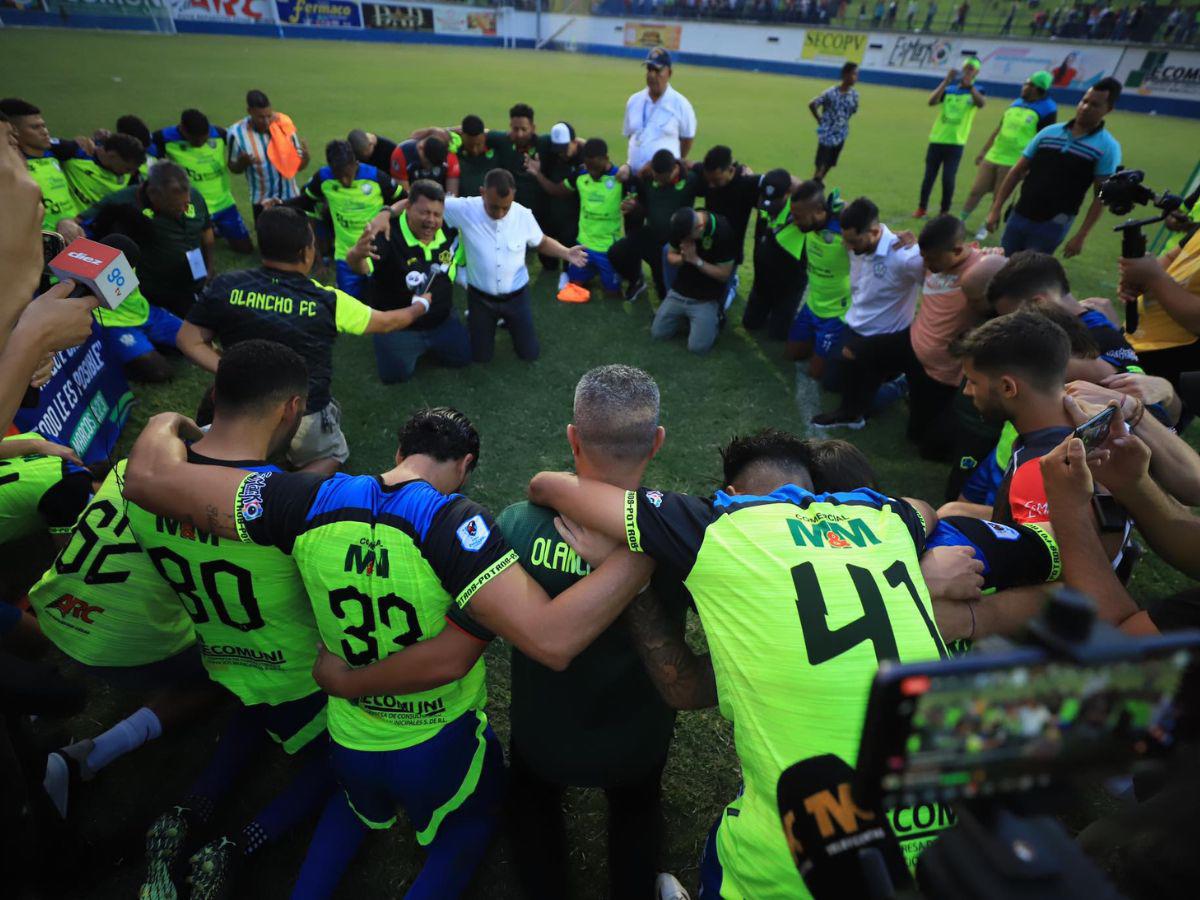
column 228, row 653
column 251, row 496
column 70, row 606
column 837, row 535
column 473, row 533
column 1003, row 532
column 252, row 510
column 393, row 706
column 654, row 498
column 367, row 557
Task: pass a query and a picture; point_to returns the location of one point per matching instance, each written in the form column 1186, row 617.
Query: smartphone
column 1094, row 431
column 53, row 244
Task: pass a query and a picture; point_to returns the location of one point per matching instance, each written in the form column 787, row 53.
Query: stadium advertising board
column 398, row 18
column 322, row 13
column 912, row 52
column 644, row 34
column 1156, row 73
column 833, row 46
column 1072, row 66
column 120, row 9
column 463, row 21
column 244, row 12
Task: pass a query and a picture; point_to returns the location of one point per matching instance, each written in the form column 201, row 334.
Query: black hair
column 428, row 189
column 594, row 148
column 681, row 225
column 1027, row 272
column 501, row 181
column 472, row 126
column 1022, row 342
column 859, row 214
column 127, row 147
column 256, row 374
column 134, row 127
column 718, row 157
column 284, row 234
column 441, row 432
column 662, row 162
column 16, row 108
column 1083, row 346
column 811, row 191
column 194, row 122
column 256, row 99
column 838, row 465
column 339, row 154
column 942, row 233
column 777, row 448
column 1110, row 86
column 848, row 67
column 435, row 150
column 167, row 176
column 521, row 111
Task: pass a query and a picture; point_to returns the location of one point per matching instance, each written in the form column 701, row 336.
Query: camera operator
column 1167, row 290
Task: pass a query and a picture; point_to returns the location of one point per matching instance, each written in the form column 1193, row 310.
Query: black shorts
column 827, row 154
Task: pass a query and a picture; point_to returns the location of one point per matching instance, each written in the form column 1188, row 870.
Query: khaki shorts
column 319, row 437
column 988, row 178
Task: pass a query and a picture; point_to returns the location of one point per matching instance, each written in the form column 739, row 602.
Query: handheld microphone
column 840, row 849
column 101, row 268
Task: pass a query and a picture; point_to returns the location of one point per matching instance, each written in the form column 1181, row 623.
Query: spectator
column 1058, row 166
column 960, row 17
column 832, row 109
column 930, row 12
column 910, row 15
column 1167, row 291
column 957, row 100
column 266, row 147
column 658, row 116
column 702, row 246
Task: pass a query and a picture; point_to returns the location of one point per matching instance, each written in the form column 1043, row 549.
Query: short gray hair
column 360, row 142
column 616, row 412
column 167, row 176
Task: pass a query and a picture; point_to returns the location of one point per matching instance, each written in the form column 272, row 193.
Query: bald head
column 616, row 414
column 976, row 279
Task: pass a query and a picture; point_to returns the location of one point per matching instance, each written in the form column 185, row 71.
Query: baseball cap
column 773, row 190
column 972, row 62
column 683, row 221
column 562, row 134
column 1041, row 80
column 658, row 58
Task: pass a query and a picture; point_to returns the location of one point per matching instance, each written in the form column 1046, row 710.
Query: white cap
column 561, row 134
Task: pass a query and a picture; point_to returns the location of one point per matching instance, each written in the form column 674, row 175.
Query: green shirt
column 828, row 271
column 248, row 605
column 1018, row 126
column 205, row 165
column 509, row 156
column 659, row 202
column 473, row 169
column 133, row 311
column 102, row 603
column 801, row 596
column 350, row 208
column 39, row 492
column 956, row 113
column 90, row 182
column 600, row 218
column 601, row 721
column 57, row 199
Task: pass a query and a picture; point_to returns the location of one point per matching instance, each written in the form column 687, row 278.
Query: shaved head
column 976, row 279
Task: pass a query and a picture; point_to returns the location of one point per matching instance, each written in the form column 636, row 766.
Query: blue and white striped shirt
column 262, row 177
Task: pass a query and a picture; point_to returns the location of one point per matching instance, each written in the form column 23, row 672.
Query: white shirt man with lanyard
column 658, row 116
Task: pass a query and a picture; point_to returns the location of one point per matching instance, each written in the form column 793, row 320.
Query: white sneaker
column 562, row 280
column 982, row 233
column 667, row 887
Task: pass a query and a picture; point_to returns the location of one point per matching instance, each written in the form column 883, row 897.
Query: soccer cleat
column 574, row 293
column 667, row 887
column 920, row 213
column 163, row 843
column 635, row 289
column 212, row 870
column 837, row 419
column 982, row 233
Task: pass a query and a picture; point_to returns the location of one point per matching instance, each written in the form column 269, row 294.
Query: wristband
column 422, row 301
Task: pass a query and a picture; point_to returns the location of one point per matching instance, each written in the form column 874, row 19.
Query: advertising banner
column 398, row 18
column 1159, row 73
column 1071, row 66
column 85, row 403
column 833, row 46
column 912, row 52
column 120, row 9
column 643, row 34
column 323, row 13
column 239, row 12
column 464, row 21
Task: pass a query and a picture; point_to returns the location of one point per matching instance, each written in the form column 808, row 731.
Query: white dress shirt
column 884, row 286
column 652, row 125
column 495, row 248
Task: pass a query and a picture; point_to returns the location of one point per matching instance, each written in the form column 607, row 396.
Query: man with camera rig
column 1058, row 166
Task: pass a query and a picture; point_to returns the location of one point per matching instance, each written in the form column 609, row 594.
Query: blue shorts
column 822, row 333
column 127, row 344
column 229, row 225
column 597, row 264
column 350, row 281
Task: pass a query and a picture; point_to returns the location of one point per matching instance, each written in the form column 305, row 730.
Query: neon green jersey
column 205, row 165
column 57, row 199
column 828, row 271
column 39, row 492
column 133, row 311
column 600, row 219
column 801, row 597
column 248, row 605
column 385, row 567
column 1018, row 126
column 102, row 603
column 90, row 182
column 350, row 207
column 956, row 114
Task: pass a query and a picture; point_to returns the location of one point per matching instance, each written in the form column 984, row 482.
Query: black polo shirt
column 508, row 156
column 401, row 253
column 718, row 245
column 381, row 156
column 659, row 202
column 734, row 202
column 1062, row 168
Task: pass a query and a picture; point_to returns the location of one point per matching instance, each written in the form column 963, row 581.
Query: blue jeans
column 1022, row 233
column 396, row 354
column 669, row 272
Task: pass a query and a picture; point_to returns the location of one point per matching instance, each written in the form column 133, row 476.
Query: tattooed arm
column 684, row 679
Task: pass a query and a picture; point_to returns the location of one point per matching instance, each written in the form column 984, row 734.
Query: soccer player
column 669, row 185
column 116, row 158
column 702, row 247
column 559, row 153
column 353, row 193
column 730, row 190
column 267, row 148
column 600, row 187
column 425, row 159
column 43, row 486
column 793, row 687
column 601, row 722
column 256, row 628
column 817, row 329
column 280, row 302
column 392, row 564
column 44, row 157
column 372, row 149
column 475, row 157
column 957, row 99
column 832, row 109
column 412, row 266
column 1032, row 111
column 200, row 148
column 780, row 274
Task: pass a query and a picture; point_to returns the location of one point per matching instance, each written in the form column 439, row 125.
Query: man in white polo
column 495, row 232
column 658, row 116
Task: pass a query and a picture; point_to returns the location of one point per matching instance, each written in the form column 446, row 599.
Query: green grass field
column 83, row 81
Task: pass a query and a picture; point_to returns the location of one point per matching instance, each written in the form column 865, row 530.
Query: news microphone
column 128, row 246
column 101, row 268
column 840, row 849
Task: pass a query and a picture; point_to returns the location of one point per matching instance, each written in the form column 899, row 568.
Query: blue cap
column 658, row 58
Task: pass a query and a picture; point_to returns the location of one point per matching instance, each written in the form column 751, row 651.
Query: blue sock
column 334, row 843
column 302, row 796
